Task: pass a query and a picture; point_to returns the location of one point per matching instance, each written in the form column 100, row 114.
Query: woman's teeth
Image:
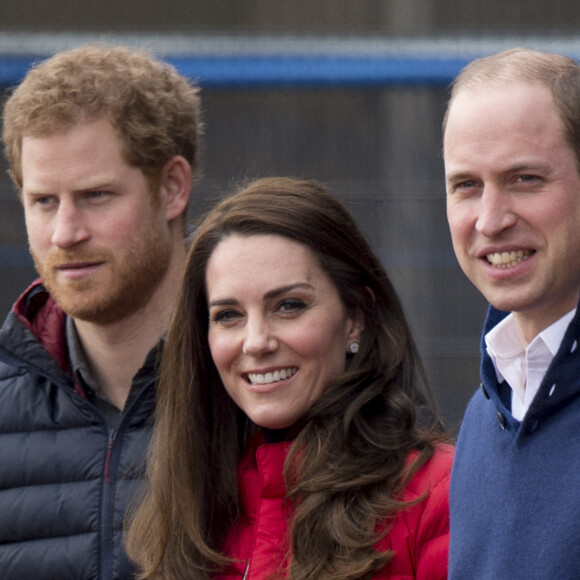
column 273, row 377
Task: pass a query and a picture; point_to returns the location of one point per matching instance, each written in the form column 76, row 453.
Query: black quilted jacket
column 66, row 478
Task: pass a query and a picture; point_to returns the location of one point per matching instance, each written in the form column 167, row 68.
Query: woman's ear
column 357, row 324
column 175, row 186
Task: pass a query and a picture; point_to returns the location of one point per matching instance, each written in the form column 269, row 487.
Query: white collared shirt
column 524, row 368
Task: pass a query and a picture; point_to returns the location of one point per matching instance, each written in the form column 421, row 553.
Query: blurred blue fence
column 286, row 61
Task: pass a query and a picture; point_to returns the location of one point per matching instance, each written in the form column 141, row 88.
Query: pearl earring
column 353, row 347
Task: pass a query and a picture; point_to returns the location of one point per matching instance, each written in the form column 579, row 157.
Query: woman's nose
column 259, row 339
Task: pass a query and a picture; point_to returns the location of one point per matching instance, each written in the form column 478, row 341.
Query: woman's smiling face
column 278, row 330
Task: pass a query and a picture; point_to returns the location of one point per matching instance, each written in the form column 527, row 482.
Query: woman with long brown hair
column 295, row 435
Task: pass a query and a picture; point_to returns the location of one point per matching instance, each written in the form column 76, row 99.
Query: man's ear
column 175, row 186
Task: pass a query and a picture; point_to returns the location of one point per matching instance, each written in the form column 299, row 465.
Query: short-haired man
column 512, row 165
column 102, row 144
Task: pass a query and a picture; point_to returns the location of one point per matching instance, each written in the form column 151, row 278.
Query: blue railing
column 236, row 62
column 235, row 72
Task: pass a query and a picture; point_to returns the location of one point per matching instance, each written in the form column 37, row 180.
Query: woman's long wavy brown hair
column 349, row 459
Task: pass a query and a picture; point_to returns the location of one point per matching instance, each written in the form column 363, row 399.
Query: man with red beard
column 102, row 144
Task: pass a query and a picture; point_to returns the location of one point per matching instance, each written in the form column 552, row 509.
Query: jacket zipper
column 112, row 436
column 107, row 524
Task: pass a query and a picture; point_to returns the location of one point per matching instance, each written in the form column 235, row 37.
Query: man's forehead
column 511, row 104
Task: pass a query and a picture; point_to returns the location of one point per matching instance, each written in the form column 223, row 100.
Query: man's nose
column 495, row 211
column 69, row 225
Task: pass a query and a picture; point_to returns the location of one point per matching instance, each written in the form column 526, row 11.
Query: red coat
column 419, row 536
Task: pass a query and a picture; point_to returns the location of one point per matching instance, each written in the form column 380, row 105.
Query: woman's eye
column 291, row 306
column 225, row 316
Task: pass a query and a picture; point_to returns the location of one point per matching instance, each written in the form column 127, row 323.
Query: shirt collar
column 503, row 341
column 554, row 334
column 78, row 359
column 508, row 354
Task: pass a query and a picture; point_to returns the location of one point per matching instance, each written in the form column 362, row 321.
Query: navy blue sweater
column 515, row 486
column 66, row 477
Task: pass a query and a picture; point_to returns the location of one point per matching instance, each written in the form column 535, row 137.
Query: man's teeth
column 508, row 259
column 273, row 377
